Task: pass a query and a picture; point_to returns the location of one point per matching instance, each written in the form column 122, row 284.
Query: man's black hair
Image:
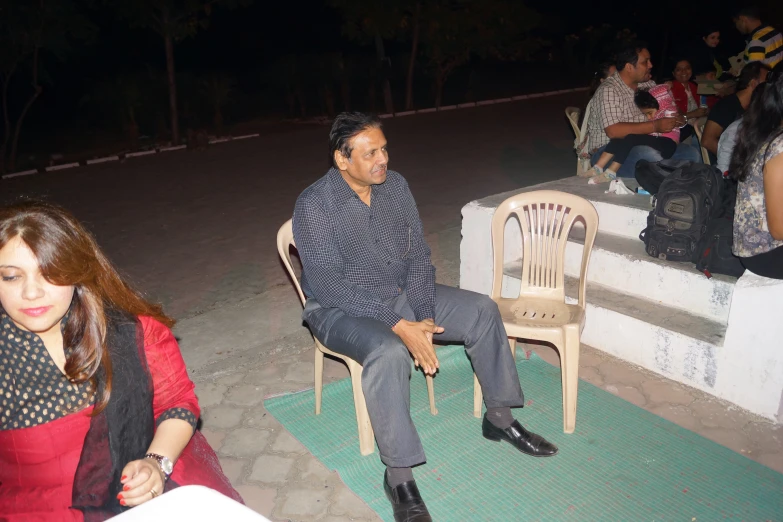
column 750, row 11
column 750, row 72
column 347, row 125
column 628, row 53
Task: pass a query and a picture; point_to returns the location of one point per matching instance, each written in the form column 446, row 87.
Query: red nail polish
column 125, row 488
column 123, row 477
column 122, row 502
column 119, row 496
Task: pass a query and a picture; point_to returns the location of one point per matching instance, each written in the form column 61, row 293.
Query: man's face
column 642, row 72
column 369, row 159
column 741, row 23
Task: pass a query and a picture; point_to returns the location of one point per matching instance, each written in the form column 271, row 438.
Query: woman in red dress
column 97, row 413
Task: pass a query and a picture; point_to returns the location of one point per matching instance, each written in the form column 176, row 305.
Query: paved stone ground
column 281, row 480
column 196, row 231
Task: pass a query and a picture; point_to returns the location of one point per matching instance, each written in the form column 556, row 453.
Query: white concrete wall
column 751, row 361
column 746, row 370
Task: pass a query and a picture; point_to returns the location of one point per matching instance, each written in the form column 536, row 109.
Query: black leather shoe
column 406, row 502
column 523, row 440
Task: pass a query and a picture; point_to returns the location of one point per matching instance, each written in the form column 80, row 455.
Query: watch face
column 166, row 466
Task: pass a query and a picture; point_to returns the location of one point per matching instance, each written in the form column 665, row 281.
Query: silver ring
column 153, row 492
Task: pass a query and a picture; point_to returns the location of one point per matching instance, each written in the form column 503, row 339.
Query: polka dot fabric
column 33, row 390
column 179, row 413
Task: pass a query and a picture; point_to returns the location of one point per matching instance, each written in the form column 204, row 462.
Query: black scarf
column 123, row 431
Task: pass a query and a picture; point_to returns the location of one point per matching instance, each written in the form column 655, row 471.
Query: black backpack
column 650, row 174
column 713, row 251
column 687, row 199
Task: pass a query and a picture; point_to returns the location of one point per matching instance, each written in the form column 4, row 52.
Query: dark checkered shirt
column 356, row 257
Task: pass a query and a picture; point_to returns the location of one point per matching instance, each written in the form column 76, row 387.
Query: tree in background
column 31, row 31
column 373, row 21
column 217, row 90
column 121, row 98
column 453, row 31
column 173, row 20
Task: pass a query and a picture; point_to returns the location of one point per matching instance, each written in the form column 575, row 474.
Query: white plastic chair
column 699, row 130
column 540, row 311
column 285, row 240
column 572, row 114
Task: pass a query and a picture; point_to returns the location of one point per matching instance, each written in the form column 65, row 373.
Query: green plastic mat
column 622, row 463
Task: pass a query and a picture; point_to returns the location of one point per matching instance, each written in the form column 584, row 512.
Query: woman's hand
column 142, row 481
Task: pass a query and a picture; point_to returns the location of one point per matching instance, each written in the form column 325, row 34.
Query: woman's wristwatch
column 166, row 466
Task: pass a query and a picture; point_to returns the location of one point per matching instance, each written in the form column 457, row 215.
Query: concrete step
column 621, row 215
column 621, row 263
column 680, row 345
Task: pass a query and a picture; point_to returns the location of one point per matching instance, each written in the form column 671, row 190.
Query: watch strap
column 159, row 459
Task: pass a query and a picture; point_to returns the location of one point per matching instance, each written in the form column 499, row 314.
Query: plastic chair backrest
column 699, row 130
column 285, row 240
column 572, row 113
column 546, row 218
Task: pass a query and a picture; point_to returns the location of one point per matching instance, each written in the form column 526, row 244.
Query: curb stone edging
column 117, row 157
column 482, row 103
column 223, row 140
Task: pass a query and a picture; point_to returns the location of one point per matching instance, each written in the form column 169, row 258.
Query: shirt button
column 377, row 240
column 388, row 262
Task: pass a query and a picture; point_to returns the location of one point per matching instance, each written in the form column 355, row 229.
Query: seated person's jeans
column 685, row 151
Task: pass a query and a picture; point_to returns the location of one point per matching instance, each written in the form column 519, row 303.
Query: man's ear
column 340, row 160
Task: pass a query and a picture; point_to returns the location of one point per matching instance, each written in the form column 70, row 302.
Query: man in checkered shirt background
column 371, row 295
column 613, row 113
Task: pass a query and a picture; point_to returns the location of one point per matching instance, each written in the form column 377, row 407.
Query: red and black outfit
column 681, row 97
column 59, row 463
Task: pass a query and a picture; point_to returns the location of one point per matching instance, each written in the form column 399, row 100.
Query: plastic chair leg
column 478, row 397
column 431, row 393
column 569, row 362
column 319, row 379
column 366, row 434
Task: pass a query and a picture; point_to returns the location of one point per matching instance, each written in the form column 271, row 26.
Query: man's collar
column 343, row 192
column 619, row 79
column 752, row 34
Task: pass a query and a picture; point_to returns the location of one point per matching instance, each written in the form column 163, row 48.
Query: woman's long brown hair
column 68, row 255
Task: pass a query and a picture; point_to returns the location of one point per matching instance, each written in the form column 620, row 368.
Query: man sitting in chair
column 371, row 295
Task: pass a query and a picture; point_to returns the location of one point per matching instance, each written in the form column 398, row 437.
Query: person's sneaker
column 605, row 177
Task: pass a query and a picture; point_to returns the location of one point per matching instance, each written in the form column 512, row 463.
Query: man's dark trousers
column 467, row 317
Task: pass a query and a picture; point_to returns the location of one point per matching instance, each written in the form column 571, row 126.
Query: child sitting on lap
column 655, row 104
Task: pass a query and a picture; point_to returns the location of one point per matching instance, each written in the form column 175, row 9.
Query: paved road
column 197, row 229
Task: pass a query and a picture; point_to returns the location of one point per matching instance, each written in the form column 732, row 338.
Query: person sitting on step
column 618, row 148
column 757, row 163
column 372, row 296
column 613, row 113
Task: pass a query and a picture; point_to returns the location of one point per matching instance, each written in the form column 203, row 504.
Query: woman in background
column 757, row 163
